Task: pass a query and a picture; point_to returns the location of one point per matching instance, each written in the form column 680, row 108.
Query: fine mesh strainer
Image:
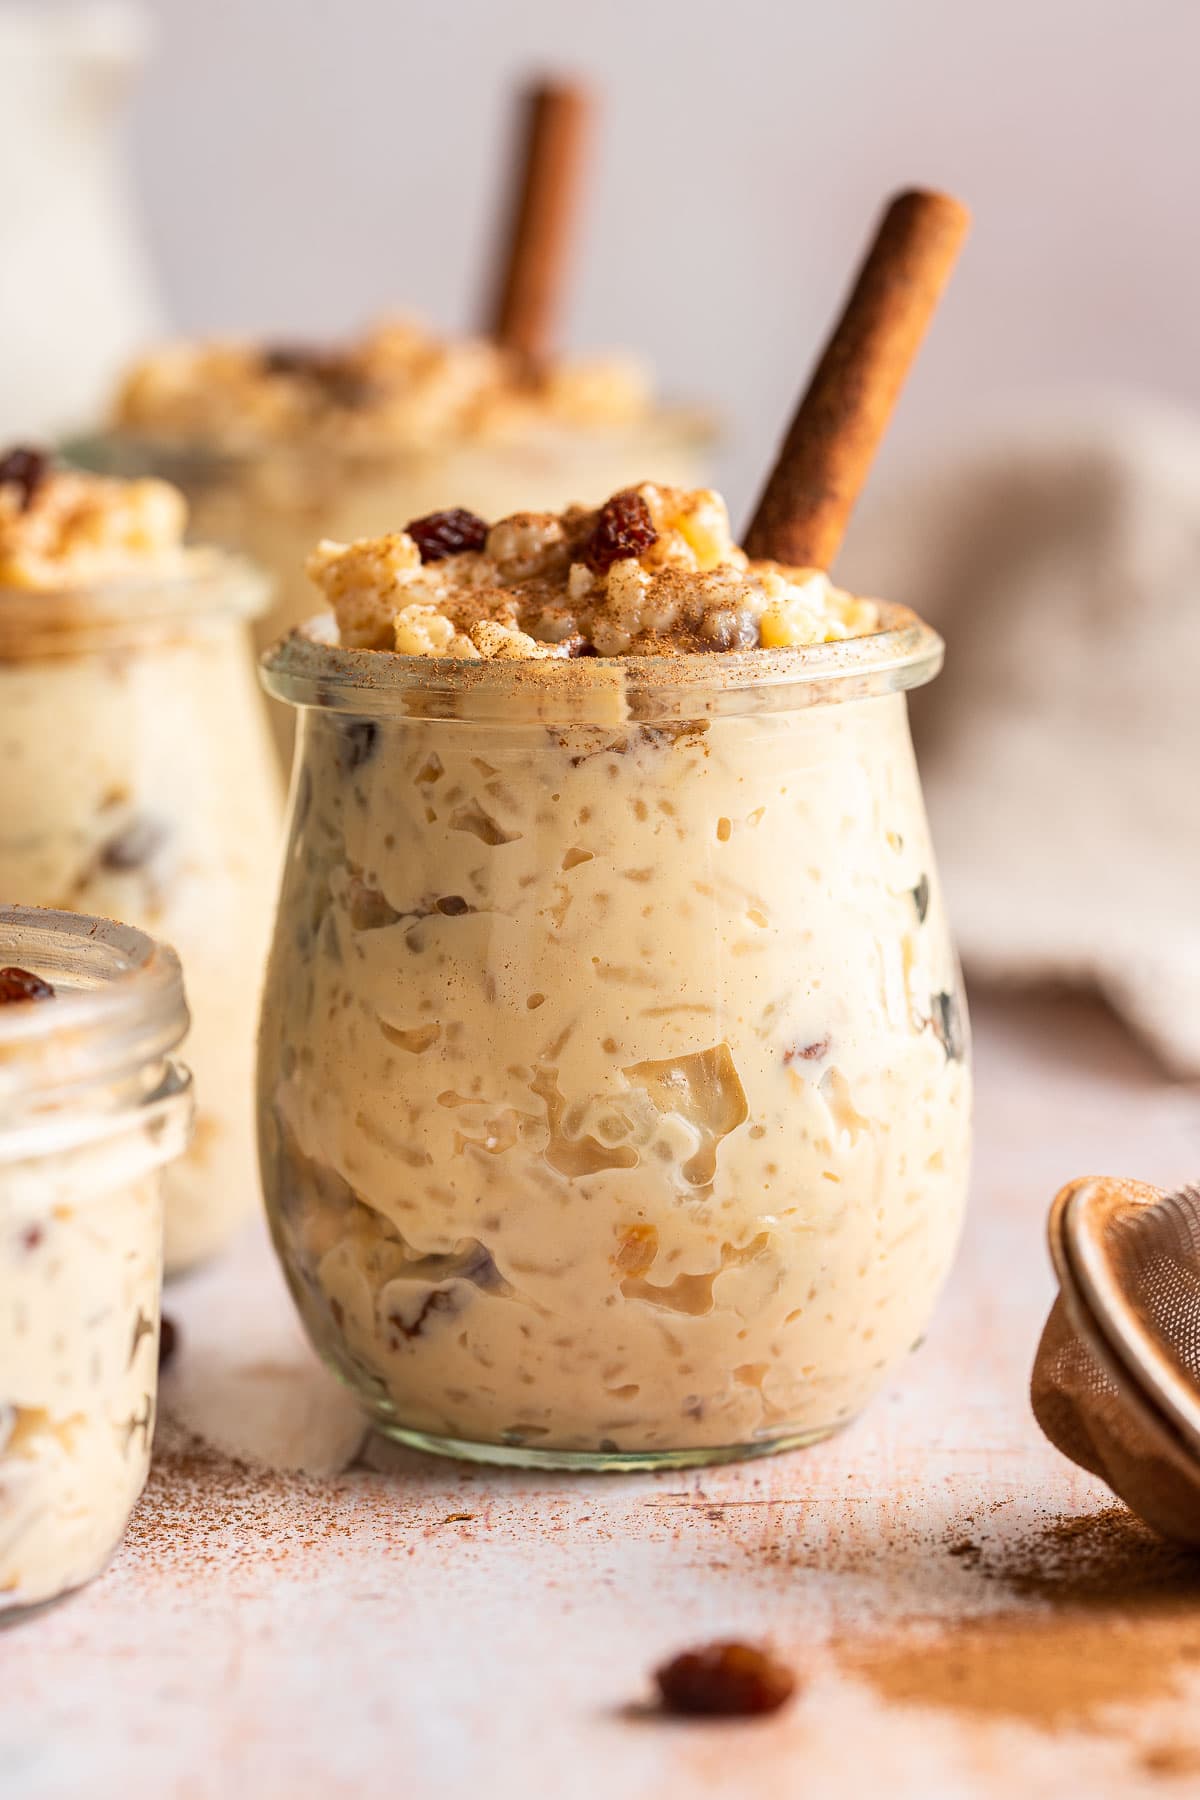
column 1116, row 1383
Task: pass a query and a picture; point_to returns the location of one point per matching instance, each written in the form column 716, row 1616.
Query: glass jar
column 138, row 782
column 91, row 1108
column 275, row 504
column 613, row 1082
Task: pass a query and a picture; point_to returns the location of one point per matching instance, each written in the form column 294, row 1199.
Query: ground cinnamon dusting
column 1175, row 1761
column 1097, row 1560
column 201, row 1508
column 1123, row 1630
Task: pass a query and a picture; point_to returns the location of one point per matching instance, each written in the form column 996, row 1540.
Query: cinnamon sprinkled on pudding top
column 395, row 386
column 652, row 572
column 60, row 528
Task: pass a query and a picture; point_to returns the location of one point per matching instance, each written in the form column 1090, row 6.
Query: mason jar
column 613, row 1082
column 92, row 1108
column 139, row 783
column 274, row 503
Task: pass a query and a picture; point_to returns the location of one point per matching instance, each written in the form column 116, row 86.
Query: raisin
column 438, row 1300
column 443, row 534
column 920, row 896
column 946, row 1020
column 479, row 1266
column 336, row 379
column 168, row 1340
column 727, row 1680
column 813, row 1052
column 134, row 845
column 32, row 1237
column 358, row 743
column 623, row 528
column 292, row 359
column 453, row 905
column 24, row 468
column 20, row 984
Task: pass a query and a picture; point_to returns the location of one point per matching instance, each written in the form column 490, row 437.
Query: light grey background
column 305, row 163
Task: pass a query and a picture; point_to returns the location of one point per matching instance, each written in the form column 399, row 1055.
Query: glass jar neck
column 152, row 1109
column 100, row 1047
column 207, row 589
column 309, row 669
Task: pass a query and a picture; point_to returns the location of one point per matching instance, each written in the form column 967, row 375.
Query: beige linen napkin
column 1061, row 746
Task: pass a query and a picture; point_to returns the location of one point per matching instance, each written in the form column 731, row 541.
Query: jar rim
column 309, row 669
column 119, row 1003
column 208, row 582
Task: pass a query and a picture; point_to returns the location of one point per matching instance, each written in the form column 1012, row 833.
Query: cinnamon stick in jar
column 805, row 507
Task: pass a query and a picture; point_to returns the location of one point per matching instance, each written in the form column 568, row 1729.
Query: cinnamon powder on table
column 201, row 1508
column 1119, row 1627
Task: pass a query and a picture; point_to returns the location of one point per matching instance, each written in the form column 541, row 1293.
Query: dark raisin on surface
column 359, row 741
column 135, row 844
column 336, row 378
column 920, row 896
column 453, row 905
column 25, row 468
column 292, row 359
column 21, row 984
column 945, row 1016
column 443, row 534
column 807, row 1052
column 725, row 1680
column 168, row 1340
column 623, row 528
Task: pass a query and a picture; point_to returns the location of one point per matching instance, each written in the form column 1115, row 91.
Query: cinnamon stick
column 805, row 507
column 546, row 187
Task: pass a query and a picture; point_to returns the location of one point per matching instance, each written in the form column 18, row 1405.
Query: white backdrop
column 304, row 163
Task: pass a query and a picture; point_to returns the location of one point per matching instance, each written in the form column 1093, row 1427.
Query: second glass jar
column 272, row 504
column 140, row 784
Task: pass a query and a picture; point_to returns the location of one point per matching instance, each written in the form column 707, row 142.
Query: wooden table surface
column 968, row 1613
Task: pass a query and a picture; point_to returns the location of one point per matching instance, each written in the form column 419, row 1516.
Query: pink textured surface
column 275, row 1635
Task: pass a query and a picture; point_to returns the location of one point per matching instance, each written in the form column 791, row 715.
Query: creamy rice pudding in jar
column 276, row 446
column 91, row 1109
column 137, row 777
column 613, row 1084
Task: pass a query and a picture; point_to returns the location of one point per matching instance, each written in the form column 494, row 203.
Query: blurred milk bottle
column 76, row 290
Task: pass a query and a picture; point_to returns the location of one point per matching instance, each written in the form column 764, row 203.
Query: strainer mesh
column 1154, row 1255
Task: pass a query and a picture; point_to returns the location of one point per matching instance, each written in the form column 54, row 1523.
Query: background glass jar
column 137, row 781
column 91, row 1108
column 613, row 1087
column 275, row 504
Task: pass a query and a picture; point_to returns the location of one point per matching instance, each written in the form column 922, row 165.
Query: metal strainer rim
column 1110, row 1328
